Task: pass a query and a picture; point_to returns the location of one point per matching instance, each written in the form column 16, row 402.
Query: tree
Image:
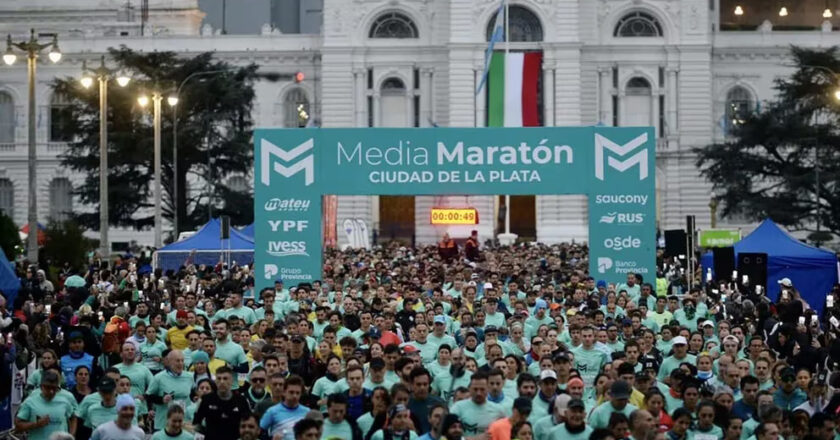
column 783, row 162
column 66, row 243
column 214, row 139
column 9, row 237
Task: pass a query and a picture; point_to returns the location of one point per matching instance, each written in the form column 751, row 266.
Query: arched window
column 638, row 24
column 524, row 25
column 61, row 199
column 60, row 122
column 296, row 108
column 395, row 102
column 638, row 86
column 739, row 105
column 638, row 103
column 7, row 197
column 393, row 85
column 7, row 118
column 393, row 25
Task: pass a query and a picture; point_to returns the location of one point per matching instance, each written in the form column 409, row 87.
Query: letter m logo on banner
column 305, row 164
column 640, row 158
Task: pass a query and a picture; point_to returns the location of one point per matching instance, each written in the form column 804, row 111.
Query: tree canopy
column 783, row 162
column 214, row 139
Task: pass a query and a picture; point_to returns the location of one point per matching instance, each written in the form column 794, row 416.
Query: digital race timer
column 454, row 216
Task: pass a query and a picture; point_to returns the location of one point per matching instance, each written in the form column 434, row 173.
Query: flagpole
column 507, row 51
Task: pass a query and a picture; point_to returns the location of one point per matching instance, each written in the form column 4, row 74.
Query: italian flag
column 512, row 89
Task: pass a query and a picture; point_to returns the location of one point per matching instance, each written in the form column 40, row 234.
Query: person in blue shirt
column 75, row 358
column 280, row 419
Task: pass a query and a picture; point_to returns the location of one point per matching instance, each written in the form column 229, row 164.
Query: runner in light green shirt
column 45, row 413
column 588, row 360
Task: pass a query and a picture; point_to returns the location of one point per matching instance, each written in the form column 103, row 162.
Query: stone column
column 605, row 103
column 672, row 92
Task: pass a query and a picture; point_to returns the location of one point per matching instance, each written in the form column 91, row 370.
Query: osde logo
column 620, row 243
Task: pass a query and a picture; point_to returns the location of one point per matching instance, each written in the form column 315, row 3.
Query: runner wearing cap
column 545, row 394
column 619, row 395
column 398, row 425
column 670, row 363
column 75, row 357
column 97, row 409
column 123, row 428
column 575, row 427
column 438, row 336
column 176, row 337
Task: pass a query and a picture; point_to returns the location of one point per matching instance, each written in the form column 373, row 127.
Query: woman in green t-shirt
column 174, row 426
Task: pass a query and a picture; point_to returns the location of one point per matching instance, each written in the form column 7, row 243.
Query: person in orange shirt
column 501, row 429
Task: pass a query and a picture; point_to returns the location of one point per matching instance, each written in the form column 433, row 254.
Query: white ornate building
column 672, row 64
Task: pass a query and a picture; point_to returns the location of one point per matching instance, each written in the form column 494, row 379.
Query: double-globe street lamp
column 32, row 48
column 156, row 99
column 103, row 75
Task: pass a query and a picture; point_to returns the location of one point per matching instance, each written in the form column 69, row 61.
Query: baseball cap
column 708, row 323
column 786, row 282
column 540, row 304
column 181, row 314
column 409, row 348
column 562, row 356
column 523, row 405
column 548, row 375
column 440, row 319
column 124, row 400
column 627, row 322
column 620, row 390
column 576, row 403
column 788, row 372
column 491, row 329
column 561, row 403
column 75, row 335
column 731, row 338
column 297, row 338
column 488, row 285
column 601, row 283
column 107, row 385
column 679, row 340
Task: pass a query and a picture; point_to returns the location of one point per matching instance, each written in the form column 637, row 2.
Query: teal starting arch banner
column 614, row 167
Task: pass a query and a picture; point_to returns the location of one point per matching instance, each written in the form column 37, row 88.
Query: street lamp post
column 32, row 48
column 173, row 102
column 103, row 74
column 157, row 97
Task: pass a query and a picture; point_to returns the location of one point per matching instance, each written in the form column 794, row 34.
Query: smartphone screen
column 801, row 320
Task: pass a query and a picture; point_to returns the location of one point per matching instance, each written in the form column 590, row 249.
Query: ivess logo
column 306, row 164
column 640, row 158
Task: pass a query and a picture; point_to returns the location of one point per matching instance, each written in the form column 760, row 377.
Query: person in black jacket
column 219, row 413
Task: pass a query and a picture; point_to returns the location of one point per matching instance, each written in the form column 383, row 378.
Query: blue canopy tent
column 209, row 248
column 9, row 282
column 812, row 270
column 248, row 231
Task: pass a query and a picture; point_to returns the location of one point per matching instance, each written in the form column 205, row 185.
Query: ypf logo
column 640, row 158
column 305, row 164
column 604, row 264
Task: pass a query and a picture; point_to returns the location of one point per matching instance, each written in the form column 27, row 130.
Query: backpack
column 116, row 332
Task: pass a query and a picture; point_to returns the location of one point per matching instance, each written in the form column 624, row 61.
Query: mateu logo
column 305, row 164
column 640, row 158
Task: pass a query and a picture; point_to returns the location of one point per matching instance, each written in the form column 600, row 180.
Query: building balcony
column 10, row 151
